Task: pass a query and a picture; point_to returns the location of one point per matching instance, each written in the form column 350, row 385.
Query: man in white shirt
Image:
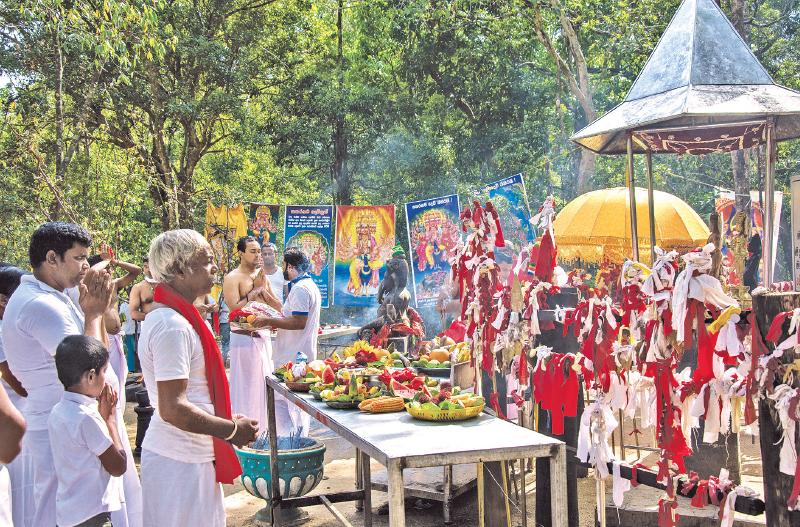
column 179, row 459
column 297, row 331
column 20, row 471
column 38, row 317
column 269, row 256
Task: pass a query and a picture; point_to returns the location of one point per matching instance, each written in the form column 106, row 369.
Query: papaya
column 439, row 355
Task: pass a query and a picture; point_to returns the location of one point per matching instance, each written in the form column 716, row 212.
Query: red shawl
column 225, row 461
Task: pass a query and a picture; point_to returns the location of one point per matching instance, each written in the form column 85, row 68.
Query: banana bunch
column 462, row 351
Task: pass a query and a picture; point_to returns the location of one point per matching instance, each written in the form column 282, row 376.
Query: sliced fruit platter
column 243, row 318
column 350, row 395
column 437, row 356
column 361, row 353
column 302, row 376
column 446, row 404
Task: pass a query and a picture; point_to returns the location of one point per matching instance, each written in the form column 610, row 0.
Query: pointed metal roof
column 701, row 75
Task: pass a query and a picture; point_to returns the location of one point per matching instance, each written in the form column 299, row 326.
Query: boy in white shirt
column 90, row 456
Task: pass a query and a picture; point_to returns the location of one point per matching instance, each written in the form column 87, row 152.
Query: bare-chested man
column 250, row 353
column 142, row 295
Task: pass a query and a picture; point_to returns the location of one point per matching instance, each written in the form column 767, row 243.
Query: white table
column 398, row 441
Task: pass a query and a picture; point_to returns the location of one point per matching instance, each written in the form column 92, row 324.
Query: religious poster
column 433, row 233
column 509, row 198
column 263, row 222
column 365, row 236
column 308, row 227
column 795, row 201
column 224, row 226
column 735, row 249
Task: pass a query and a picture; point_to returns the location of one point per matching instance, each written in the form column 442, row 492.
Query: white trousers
column 251, row 361
column 5, row 497
column 20, row 472
column 180, row 494
column 45, row 485
column 130, row 512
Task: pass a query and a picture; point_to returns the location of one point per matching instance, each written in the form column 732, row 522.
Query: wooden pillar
column 651, row 207
column 777, row 486
column 632, row 200
column 768, row 204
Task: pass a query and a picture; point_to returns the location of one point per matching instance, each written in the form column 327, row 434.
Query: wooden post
column 631, row 181
column 777, row 486
column 651, row 207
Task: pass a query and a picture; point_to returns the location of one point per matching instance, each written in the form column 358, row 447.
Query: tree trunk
column 342, row 191
column 55, row 207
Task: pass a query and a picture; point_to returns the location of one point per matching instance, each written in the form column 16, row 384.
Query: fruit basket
column 457, row 414
column 299, row 386
column 343, row 405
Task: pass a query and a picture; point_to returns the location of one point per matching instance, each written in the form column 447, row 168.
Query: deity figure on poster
column 434, row 236
column 263, row 225
column 364, row 239
column 313, row 245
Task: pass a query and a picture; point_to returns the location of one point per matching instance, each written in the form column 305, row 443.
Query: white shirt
column 85, row 489
column 35, row 322
column 303, row 299
column 128, row 324
column 276, row 281
column 14, row 397
column 170, row 349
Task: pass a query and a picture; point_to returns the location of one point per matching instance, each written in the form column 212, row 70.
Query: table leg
column 397, row 511
column 523, row 496
column 366, row 484
column 359, row 479
column 558, row 486
column 448, row 491
column 272, row 429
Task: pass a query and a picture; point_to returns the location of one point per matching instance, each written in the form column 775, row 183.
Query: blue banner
column 509, row 198
column 308, row 227
column 433, row 233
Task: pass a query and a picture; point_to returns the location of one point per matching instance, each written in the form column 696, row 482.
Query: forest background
column 127, row 116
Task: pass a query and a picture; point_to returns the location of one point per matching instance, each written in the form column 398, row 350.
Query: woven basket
column 459, row 414
column 299, row 386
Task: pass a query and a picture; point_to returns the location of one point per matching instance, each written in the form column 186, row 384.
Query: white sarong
column 5, row 497
column 37, row 442
column 20, row 472
column 179, row 493
column 251, row 361
column 130, row 512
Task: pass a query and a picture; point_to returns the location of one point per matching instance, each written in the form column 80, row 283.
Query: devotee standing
column 12, row 428
column 250, row 352
column 142, row 294
column 20, row 471
column 269, row 256
column 37, row 318
column 297, row 331
column 187, row 451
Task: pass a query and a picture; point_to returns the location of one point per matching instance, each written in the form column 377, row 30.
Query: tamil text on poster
column 309, row 229
column 433, row 234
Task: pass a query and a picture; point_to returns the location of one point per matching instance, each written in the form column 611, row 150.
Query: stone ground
column 339, row 476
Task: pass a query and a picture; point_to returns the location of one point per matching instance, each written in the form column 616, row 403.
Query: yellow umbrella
column 596, row 226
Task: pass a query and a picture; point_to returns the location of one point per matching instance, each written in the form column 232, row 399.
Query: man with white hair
column 187, row 451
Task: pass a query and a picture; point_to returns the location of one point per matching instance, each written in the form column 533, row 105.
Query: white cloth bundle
column 597, row 425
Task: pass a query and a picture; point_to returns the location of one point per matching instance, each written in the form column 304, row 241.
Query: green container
column 301, row 467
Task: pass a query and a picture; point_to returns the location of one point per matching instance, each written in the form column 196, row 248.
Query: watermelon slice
column 328, row 377
column 401, row 391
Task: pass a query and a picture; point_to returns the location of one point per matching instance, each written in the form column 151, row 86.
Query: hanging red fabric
column 226, row 464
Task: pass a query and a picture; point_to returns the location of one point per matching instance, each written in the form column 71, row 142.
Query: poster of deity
column 263, row 222
column 509, row 198
column 433, row 233
column 309, row 229
column 365, row 236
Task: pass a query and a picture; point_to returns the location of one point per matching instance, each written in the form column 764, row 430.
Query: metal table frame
column 386, row 454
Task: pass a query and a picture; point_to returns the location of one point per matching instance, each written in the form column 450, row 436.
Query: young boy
column 87, row 450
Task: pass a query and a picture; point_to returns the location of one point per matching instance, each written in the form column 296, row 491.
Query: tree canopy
column 127, row 116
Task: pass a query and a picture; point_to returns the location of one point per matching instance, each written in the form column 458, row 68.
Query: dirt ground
column 241, row 507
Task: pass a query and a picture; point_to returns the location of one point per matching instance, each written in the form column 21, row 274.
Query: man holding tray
column 250, row 351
